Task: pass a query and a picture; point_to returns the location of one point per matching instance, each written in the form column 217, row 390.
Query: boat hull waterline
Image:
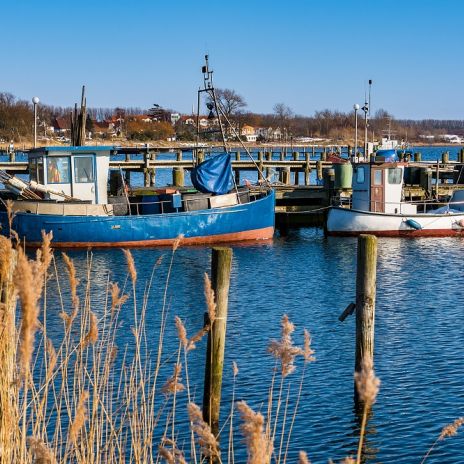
column 349, row 222
column 247, row 221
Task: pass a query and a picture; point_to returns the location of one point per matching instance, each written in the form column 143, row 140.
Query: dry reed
column 208, row 444
column 259, row 447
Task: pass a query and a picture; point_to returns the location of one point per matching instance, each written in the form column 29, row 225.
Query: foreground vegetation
column 76, row 396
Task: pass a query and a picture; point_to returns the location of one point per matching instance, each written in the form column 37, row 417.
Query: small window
column 83, row 169
column 378, row 176
column 395, row 175
column 58, row 170
column 360, row 175
column 36, row 169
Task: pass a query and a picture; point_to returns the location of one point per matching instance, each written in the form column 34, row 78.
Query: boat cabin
column 378, row 188
column 78, row 172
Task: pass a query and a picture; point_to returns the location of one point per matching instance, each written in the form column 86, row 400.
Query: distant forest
column 16, row 121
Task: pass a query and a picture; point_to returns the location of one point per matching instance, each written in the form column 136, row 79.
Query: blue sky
column 310, row 55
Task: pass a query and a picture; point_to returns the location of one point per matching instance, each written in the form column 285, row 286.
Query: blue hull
column 248, row 221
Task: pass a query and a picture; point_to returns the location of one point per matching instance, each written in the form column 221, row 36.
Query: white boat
column 377, row 208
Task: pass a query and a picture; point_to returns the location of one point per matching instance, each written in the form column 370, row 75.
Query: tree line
column 17, row 119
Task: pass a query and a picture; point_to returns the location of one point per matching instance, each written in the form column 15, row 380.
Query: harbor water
column 418, row 336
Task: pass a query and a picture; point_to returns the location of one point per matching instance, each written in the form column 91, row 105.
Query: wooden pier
column 304, row 181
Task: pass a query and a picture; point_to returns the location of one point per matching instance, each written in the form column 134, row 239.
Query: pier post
column 365, row 300
column 282, row 155
column 268, row 156
column 307, row 171
column 319, row 169
column 260, row 165
column 152, row 170
column 461, row 155
column 285, row 173
column 201, row 156
column 178, row 175
column 445, row 157
column 146, row 170
column 237, row 170
column 417, row 156
column 313, row 152
column 221, row 264
column 324, row 154
column 296, row 156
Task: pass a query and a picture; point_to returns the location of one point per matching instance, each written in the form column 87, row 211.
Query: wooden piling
column 268, row 156
column 365, row 299
column 445, row 157
column 146, row 170
column 221, row 264
column 237, row 171
column 178, row 177
column 418, row 156
column 296, row 156
column 307, row 171
column 260, row 165
column 319, row 169
column 285, row 175
column 461, row 155
column 152, row 170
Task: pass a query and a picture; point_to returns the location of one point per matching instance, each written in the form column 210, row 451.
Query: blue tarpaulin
column 213, row 175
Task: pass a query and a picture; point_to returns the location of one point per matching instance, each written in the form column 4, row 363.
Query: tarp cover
column 213, row 175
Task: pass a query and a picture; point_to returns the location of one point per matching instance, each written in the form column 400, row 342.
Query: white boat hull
column 346, row 222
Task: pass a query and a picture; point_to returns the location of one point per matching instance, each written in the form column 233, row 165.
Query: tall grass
column 79, row 397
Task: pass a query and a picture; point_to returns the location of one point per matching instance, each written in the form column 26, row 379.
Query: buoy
column 414, row 224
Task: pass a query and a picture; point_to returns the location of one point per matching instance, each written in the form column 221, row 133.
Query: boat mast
column 209, row 89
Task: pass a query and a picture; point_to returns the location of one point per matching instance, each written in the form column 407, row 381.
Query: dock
column 304, row 181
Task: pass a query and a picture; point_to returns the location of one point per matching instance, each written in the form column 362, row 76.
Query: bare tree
column 284, row 116
column 230, row 101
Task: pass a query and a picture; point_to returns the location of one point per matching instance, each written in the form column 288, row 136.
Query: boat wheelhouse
column 377, row 207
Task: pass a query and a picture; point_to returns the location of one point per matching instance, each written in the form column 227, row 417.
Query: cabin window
column 83, row 169
column 395, row 175
column 58, row 170
column 360, row 175
column 378, row 177
column 36, row 169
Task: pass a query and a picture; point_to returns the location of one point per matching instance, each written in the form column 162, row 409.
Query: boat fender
column 413, row 224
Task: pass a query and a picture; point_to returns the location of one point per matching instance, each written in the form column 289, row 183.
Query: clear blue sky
column 310, row 55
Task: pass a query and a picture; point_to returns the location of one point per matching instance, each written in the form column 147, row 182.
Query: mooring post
column 237, row 170
column 260, row 165
column 221, row 264
column 365, row 300
column 296, row 156
column 445, row 157
column 268, row 156
column 307, row 171
column 417, row 156
column 152, row 170
column 146, row 170
column 461, row 155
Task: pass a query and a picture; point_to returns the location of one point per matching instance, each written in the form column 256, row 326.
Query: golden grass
column 75, row 400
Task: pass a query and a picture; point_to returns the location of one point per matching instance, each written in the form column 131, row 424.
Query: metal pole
column 35, row 102
column 356, row 108
column 35, row 125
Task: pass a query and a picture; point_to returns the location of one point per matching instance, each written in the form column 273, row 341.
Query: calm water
column 419, row 333
column 419, row 346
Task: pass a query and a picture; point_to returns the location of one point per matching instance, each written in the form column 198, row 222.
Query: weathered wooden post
column 307, row 172
column 365, row 300
column 152, row 170
column 146, row 170
column 221, row 263
column 319, row 169
column 268, row 156
column 260, row 165
column 445, row 157
column 417, row 156
column 237, row 170
column 296, row 156
column 200, row 156
column 286, row 175
column 324, row 154
column 313, row 153
column 282, row 155
column 461, row 155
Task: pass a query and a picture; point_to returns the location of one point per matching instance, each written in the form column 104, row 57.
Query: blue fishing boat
column 67, row 195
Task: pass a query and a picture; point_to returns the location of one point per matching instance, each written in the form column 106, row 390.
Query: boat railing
column 423, row 206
